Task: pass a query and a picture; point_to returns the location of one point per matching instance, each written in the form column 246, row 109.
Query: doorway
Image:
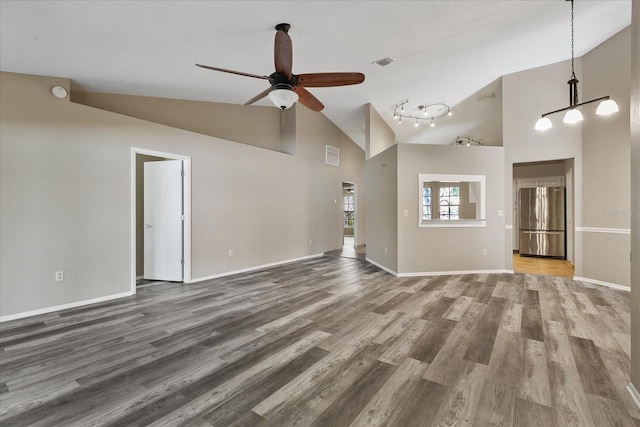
column 545, row 176
column 140, row 157
column 350, row 221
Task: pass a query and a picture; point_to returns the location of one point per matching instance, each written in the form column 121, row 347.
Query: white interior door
column 163, row 221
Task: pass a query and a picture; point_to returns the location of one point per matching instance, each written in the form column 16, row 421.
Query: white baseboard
column 601, row 283
column 450, row 273
column 388, row 270
column 62, row 307
column 255, row 268
column 634, row 394
column 437, row 273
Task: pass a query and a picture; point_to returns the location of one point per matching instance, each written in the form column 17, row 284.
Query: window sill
column 453, row 223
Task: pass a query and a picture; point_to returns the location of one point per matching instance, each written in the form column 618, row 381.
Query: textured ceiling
column 443, row 50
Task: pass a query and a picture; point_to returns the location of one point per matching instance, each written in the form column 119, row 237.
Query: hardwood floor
column 327, row 342
column 537, row 265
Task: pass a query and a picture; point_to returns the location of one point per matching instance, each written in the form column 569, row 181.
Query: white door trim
column 355, row 211
column 186, row 160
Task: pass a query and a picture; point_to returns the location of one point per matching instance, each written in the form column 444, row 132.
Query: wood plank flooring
column 539, row 265
column 327, row 342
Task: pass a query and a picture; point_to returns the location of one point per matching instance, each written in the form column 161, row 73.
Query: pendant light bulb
column 607, row 107
column 450, row 113
column 573, row 116
column 417, row 124
column 543, row 123
column 400, row 121
column 432, row 124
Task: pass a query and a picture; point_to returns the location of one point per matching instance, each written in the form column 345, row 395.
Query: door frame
column 355, row 211
column 186, row 195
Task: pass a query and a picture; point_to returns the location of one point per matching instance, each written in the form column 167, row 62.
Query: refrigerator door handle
column 542, row 232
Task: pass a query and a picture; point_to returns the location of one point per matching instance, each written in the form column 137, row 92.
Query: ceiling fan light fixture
column 283, row 98
column 573, row 116
column 606, row 107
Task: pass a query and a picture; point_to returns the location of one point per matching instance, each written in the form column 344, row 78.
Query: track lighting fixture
column 573, row 115
column 430, row 112
column 468, row 141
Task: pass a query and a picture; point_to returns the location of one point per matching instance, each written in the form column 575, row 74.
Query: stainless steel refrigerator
column 542, row 221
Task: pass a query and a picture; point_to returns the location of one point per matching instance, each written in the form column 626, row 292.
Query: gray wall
column 605, row 162
column 429, row 249
column 381, row 206
column 65, row 199
column 635, row 194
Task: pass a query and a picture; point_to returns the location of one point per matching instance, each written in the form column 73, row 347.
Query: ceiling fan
column 286, row 87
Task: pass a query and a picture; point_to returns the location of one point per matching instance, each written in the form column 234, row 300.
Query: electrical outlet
column 406, row 212
column 484, row 252
column 59, row 276
column 230, row 252
column 310, row 241
column 385, row 250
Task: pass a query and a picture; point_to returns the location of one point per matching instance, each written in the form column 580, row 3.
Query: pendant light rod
column 606, row 107
column 576, row 105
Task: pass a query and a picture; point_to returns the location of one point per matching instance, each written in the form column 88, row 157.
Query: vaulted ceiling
column 442, row 50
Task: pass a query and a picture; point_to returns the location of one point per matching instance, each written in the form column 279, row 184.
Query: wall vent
column 332, row 155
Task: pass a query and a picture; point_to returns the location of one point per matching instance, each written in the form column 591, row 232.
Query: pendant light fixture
column 573, row 115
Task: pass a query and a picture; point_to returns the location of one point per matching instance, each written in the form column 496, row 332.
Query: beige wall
column 635, row 194
column 324, row 182
column 207, row 118
column 65, row 200
column 381, row 206
column 526, row 95
column 426, row 249
column 605, row 165
column 379, row 136
column 536, row 170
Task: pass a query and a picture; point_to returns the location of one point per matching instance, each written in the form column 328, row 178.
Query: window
column 426, row 202
column 349, row 210
column 450, row 202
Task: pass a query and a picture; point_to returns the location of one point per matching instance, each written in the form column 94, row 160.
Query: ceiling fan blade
column 240, row 73
column 258, row 96
column 283, row 53
column 307, row 99
column 330, row 79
